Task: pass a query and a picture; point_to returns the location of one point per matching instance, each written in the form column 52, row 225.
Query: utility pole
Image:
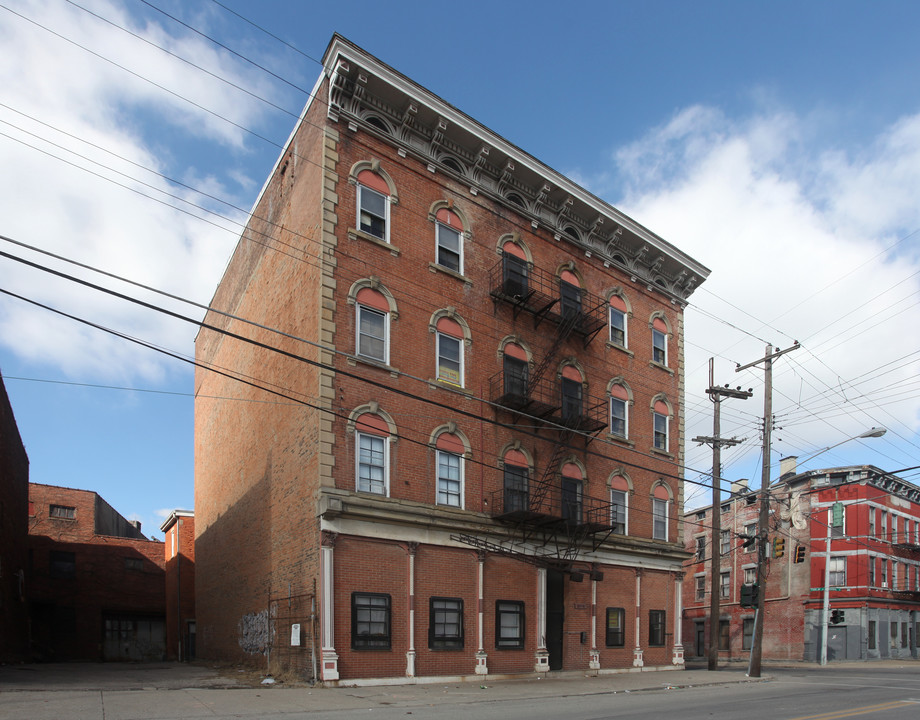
column 715, row 395
column 764, row 520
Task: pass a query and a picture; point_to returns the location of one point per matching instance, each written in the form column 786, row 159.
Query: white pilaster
column 637, row 651
column 482, row 666
column 594, row 656
column 541, row 663
column 330, row 659
column 677, row 655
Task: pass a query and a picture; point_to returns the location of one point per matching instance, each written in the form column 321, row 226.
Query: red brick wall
column 179, row 548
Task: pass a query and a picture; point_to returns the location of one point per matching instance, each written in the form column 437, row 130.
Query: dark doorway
column 700, row 640
column 555, row 617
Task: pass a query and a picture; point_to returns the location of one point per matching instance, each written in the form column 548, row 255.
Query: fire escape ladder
column 563, row 331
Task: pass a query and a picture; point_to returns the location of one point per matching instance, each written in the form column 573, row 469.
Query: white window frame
column 656, row 416
column 700, row 549
column 871, row 574
column 624, row 509
column 751, row 531
column 386, row 212
column 660, row 342
column 725, row 542
column 750, row 574
column 438, row 246
column 659, row 515
column 625, row 404
column 700, row 586
column 359, row 441
column 725, row 584
column 443, row 455
column 442, row 337
column 610, row 327
column 838, row 570
column 359, row 310
column 872, row 522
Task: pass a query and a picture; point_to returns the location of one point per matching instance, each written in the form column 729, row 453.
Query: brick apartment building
column 14, row 504
column 462, row 446
column 96, row 586
column 870, row 518
column 179, row 545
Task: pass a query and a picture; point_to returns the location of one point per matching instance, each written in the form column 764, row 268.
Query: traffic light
column 749, row 595
column 837, row 617
column 779, row 547
column 799, row 554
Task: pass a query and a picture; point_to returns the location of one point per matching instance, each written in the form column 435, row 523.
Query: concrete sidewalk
column 173, row 690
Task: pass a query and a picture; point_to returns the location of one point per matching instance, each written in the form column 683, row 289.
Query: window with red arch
column 516, row 496
column 572, row 386
column 373, row 205
column 619, row 505
column 661, row 420
column 571, row 495
column 372, row 454
column 449, row 240
column 617, row 321
column 660, row 341
column 450, row 481
column 450, row 351
column 619, row 411
column 515, row 373
column 569, row 295
column 515, row 271
column 372, row 325
column 660, row 501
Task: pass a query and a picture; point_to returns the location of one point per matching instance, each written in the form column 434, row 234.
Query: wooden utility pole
column 764, row 520
column 715, row 395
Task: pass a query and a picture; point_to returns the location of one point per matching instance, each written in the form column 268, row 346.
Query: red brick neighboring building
column 179, row 546
column 464, row 457
column 873, row 577
column 14, row 503
column 97, row 587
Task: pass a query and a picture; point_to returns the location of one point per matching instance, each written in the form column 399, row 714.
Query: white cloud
column 70, row 210
column 799, row 236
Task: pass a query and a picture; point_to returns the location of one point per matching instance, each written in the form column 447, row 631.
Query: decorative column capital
column 329, row 538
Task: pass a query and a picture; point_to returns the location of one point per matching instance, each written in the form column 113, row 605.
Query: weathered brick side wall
column 179, row 548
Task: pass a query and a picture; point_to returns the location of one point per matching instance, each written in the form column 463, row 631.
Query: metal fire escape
column 542, row 511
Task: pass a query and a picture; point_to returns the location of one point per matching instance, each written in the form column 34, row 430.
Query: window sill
column 620, row 440
column 622, row 348
column 662, row 453
column 354, row 360
column 361, row 235
column 435, row 268
column 652, row 363
column 435, row 383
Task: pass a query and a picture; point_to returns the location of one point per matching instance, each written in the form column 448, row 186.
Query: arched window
column 661, row 419
column 569, row 295
column 515, row 270
column 571, row 485
column 450, row 351
column 372, row 454
column 373, row 205
column 515, row 373
column 372, row 323
column 660, row 334
column 619, row 411
column 449, row 240
column 617, row 315
column 451, row 449
column 619, row 504
column 572, row 387
column 516, row 482
column 661, row 498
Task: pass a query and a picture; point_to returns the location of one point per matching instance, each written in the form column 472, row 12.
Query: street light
column 825, row 608
column 870, row 433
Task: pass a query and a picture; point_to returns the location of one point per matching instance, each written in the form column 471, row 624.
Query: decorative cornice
column 366, row 93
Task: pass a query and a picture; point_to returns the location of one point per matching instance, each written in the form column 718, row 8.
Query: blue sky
column 777, row 143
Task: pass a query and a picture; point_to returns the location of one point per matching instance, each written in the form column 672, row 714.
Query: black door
column 555, row 617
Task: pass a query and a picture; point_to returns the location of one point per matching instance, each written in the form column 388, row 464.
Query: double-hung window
column 725, row 584
column 571, row 500
column 509, row 624
column 516, row 374
column 656, row 627
column 572, row 392
column 750, row 531
column 450, row 248
column 725, row 542
column 373, row 334
column 450, row 359
column 450, row 479
column 661, row 431
column 516, row 488
column 700, row 587
column 659, row 347
column 618, row 511
column 618, row 417
column 372, row 464
column 445, row 623
column 514, row 276
column 616, row 623
column 659, row 519
column 570, row 298
column 838, row 572
column 373, row 213
column 617, row 322
column 370, row 621
column 700, row 548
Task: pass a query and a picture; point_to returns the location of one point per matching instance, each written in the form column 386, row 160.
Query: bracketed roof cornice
column 364, row 92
